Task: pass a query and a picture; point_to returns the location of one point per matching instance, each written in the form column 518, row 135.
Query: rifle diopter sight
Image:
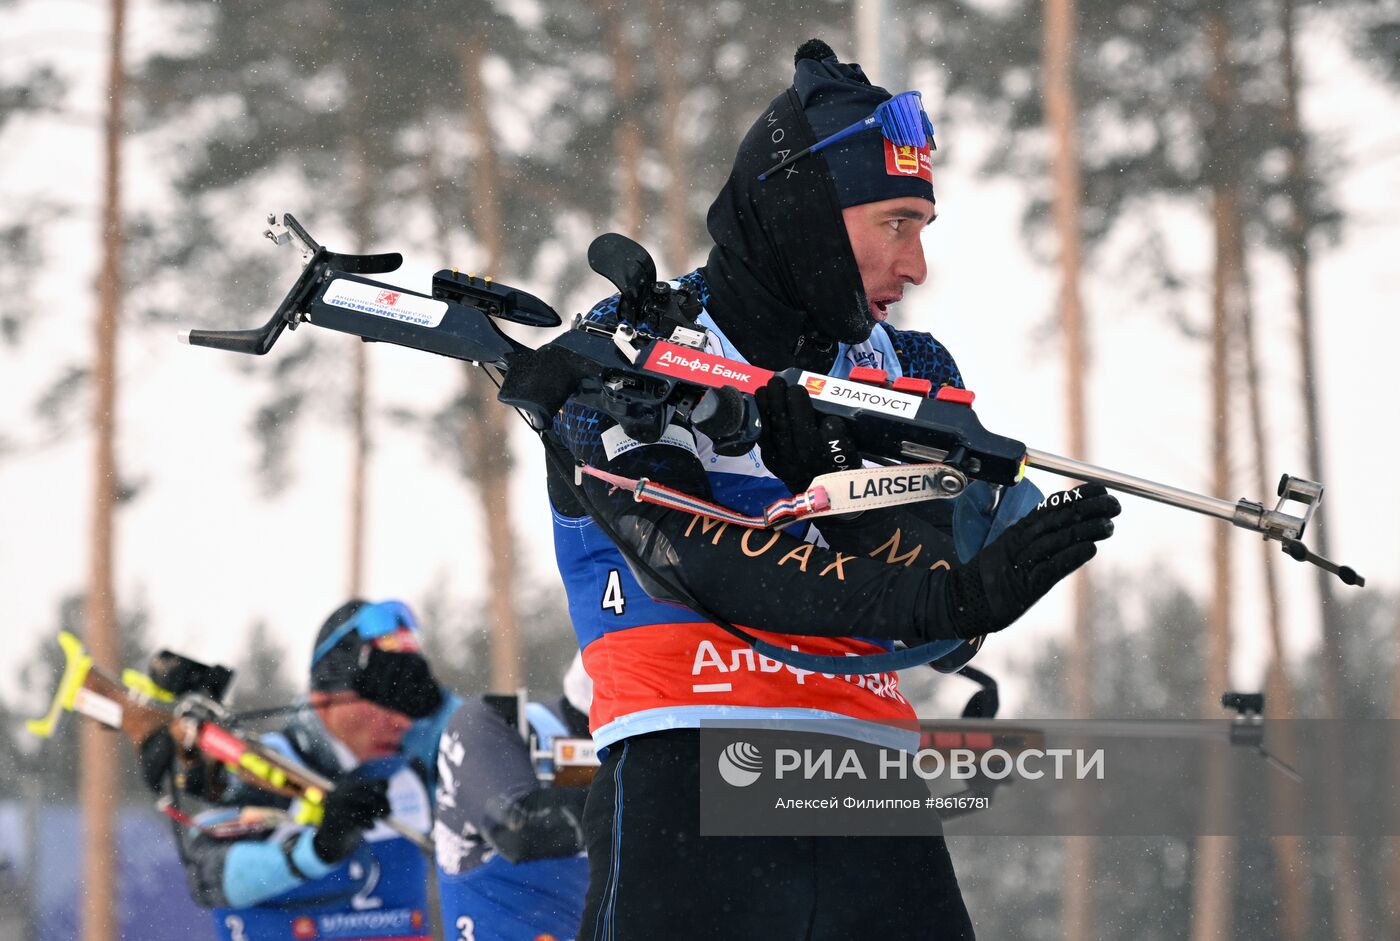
column 179, row 675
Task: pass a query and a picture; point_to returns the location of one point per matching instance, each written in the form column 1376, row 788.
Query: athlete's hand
column 1002, row 581
column 160, row 758
column 400, row 681
column 797, row 444
column 157, row 758
column 350, row 808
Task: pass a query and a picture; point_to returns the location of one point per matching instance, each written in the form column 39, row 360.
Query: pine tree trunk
column 359, row 467
column 1213, row 878
column 867, row 18
column 1061, row 114
column 486, row 438
column 360, row 227
column 99, row 780
column 1346, row 876
column 1290, row 867
column 627, row 135
column 1292, row 863
column 677, row 226
column 1392, row 896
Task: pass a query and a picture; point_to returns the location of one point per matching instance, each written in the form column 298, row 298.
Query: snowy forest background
column 1166, row 244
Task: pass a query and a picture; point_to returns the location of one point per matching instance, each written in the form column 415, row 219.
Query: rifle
column 978, row 731
column 652, row 365
column 567, row 762
column 197, row 724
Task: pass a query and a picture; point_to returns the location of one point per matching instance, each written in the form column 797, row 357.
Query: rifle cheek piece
column 538, row 383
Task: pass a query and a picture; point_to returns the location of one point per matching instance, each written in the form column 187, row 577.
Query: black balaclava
column 784, row 284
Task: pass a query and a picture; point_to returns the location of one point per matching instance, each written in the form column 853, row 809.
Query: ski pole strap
column 852, row 491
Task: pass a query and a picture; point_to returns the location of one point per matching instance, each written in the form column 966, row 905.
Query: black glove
column 1013, row 573
column 399, row 681
column 349, row 810
column 156, row 758
column 798, row 444
column 197, row 777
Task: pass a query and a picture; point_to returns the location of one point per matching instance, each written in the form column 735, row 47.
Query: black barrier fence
column 1055, row 778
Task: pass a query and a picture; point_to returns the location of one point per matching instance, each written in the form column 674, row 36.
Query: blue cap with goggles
column 902, row 120
column 353, row 626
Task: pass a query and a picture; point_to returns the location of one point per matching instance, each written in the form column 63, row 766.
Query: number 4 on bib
column 612, row 594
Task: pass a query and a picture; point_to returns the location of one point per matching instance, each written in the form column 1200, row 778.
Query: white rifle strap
column 873, row 488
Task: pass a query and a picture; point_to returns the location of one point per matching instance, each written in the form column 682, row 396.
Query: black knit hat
column 865, row 166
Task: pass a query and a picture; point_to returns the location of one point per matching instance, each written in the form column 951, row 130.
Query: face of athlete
column 885, row 238
column 367, row 729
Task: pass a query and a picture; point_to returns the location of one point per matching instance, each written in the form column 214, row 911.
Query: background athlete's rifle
column 569, row 761
column 978, row 731
column 652, row 364
column 139, row 709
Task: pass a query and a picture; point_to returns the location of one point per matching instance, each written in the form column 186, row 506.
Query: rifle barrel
column 1137, row 486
